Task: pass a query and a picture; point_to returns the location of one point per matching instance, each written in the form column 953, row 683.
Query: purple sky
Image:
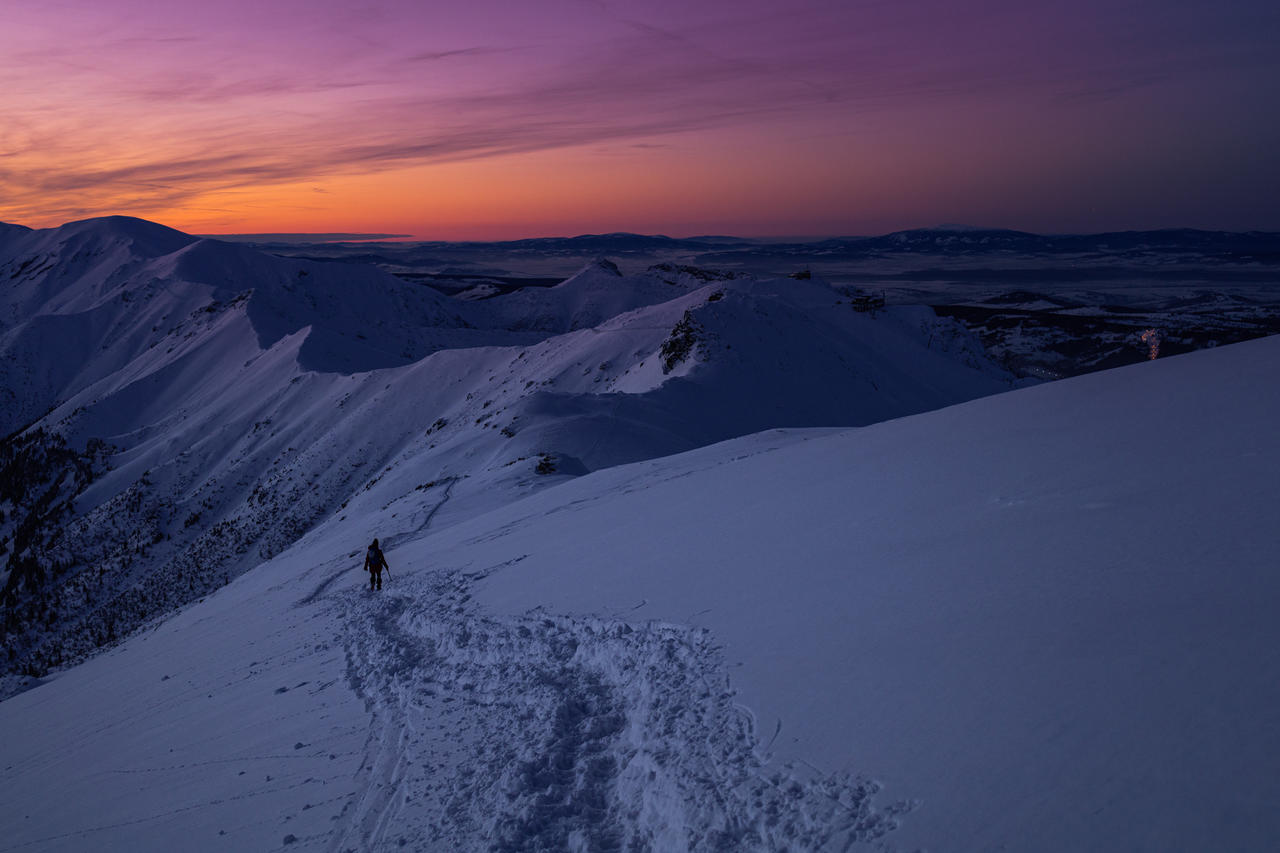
column 502, row 119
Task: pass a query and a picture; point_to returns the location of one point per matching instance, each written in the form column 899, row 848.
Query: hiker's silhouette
column 374, row 563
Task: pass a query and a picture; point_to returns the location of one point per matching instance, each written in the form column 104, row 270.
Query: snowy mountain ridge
column 1042, row 620
column 183, row 409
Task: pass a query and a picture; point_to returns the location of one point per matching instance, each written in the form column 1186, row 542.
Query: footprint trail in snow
column 546, row 732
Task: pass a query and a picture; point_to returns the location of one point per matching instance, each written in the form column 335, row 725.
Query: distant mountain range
column 946, row 239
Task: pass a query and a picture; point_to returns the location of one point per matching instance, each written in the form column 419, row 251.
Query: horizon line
column 304, row 237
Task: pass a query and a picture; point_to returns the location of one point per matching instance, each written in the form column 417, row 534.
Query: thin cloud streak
column 588, row 104
column 161, row 118
column 438, row 55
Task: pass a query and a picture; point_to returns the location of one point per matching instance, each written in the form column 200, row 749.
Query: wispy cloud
column 454, row 53
column 104, row 115
column 299, row 129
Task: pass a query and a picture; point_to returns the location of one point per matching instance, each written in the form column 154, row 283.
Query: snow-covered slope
column 598, row 292
column 1045, row 617
column 83, row 301
column 1042, row 620
column 198, row 406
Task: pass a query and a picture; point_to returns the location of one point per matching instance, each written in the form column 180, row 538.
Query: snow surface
column 1042, row 620
column 1047, row 617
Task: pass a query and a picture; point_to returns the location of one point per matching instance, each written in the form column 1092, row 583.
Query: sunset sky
column 495, row 119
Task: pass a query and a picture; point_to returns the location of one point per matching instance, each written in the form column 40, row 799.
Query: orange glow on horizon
column 567, row 191
column 506, row 119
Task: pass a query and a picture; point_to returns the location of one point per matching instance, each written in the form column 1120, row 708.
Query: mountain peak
column 149, row 237
column 605, row 265
column 601, row 266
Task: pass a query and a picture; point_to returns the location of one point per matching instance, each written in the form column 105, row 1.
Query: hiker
column 374, row 563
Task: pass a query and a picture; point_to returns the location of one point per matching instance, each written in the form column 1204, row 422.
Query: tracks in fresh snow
column 395, row 539
column 552, row 733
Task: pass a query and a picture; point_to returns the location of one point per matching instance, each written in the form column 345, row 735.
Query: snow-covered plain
column 1042, row 620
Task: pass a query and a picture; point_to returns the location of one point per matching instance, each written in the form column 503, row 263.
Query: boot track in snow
column 544, row 732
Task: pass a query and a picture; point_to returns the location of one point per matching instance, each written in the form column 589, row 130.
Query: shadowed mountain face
column 82, row 301
column 181, row 409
